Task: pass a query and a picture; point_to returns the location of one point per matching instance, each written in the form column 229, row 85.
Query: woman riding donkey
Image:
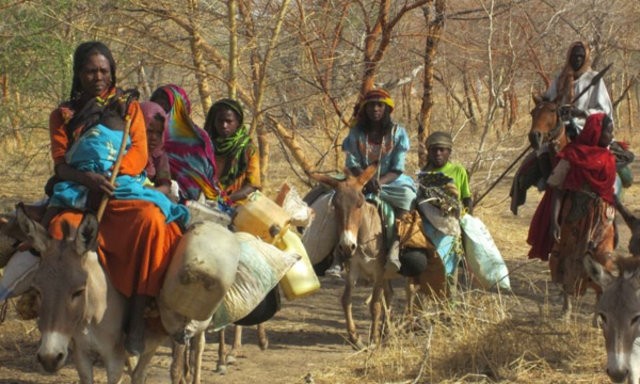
column 376, row 138
column 583, row 206
column 86, row 133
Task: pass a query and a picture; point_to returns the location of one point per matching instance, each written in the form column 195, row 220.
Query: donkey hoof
column 358, row 345
column 222, row 369
column 231, row 359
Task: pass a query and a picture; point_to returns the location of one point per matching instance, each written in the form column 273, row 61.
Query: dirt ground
column 307, row 337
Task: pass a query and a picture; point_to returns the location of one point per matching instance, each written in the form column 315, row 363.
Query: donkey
column 634, row 225
column 79, row 306
column 362, row 248
column 618, row 312
column 77, row 303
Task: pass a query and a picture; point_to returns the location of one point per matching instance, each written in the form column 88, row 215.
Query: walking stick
column 502, row 175
column 116, row 169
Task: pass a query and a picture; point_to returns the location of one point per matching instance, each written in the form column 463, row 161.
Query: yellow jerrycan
column 262, row 217
column 301, row 279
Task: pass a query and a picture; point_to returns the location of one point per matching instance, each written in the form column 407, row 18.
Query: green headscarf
column 237, row 148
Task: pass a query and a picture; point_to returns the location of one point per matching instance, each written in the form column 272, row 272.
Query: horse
column 78, row 305
column 362, row 248
column 546, row 126
column 617, row 312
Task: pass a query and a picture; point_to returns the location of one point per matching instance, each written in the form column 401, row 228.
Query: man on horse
column 577, row 77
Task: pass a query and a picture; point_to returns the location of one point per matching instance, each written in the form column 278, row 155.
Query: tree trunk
column 198, row 59
column 434, row 15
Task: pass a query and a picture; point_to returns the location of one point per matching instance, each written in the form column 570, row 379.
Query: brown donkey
column 361, row 247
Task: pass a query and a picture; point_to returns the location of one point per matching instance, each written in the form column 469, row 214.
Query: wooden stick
column 502, row 175
column 116, row 169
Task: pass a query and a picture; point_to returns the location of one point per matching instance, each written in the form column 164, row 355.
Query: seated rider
column 376, row 138
column 188, row 146
column 158, row 171
column 439, row 146
column 575, row 77
column 237, row 158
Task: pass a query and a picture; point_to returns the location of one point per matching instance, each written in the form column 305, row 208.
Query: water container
column 202, row 212
column 262, row 217
column 202, row 270
column 300, row 280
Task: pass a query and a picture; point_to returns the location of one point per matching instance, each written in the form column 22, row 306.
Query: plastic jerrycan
column 301, row 279
column 262, row 217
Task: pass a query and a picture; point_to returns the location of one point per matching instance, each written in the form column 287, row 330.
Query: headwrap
column 150, row 111
column 590, row 163
column 237, row 148
column 377, row 95
column 189, row 148
column 440, row 139
column 567, row 77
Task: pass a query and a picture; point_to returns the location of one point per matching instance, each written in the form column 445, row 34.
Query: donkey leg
column 263, row 340
column 237, row 345
column 375, row 308
column 354, row 338
column 84, row 366
column 139, row 374
column 198, row 343
column 567, row 306
column 177, row 362
column 222, row 365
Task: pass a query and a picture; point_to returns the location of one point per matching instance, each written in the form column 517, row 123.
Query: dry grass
column 480, row 338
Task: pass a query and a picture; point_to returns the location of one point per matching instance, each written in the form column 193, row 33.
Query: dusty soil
column 307, row 337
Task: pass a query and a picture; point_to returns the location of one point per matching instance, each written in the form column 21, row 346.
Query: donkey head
column 348, row 203
column 61, row 282
column 618, row 311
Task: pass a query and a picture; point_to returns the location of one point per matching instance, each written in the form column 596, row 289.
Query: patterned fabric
column 189, row 149
column 236, row 149
column 391, row 156
column 379, row 96
column 590, row 231
column 96, row 151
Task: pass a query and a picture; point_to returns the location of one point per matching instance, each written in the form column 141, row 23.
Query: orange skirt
column 135, row 244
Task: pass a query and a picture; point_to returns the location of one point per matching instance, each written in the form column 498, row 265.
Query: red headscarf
column 590, row 163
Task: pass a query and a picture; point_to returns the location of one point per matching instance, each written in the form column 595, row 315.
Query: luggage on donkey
column 482, row 254
column 264, row 218
column 261, row 266
column 202, row 270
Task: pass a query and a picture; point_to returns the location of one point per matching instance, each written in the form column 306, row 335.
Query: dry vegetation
column 298, row 67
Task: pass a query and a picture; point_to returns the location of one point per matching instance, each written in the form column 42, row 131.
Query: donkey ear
column 36, row 234
column 87, row 235
column 537, row 99
column 330, row 181
column 598, row 273
column 367, row 174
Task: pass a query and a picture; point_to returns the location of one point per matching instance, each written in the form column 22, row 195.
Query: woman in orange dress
column 138, row 231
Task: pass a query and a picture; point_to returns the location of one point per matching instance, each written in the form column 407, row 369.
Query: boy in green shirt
column 439, row 146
